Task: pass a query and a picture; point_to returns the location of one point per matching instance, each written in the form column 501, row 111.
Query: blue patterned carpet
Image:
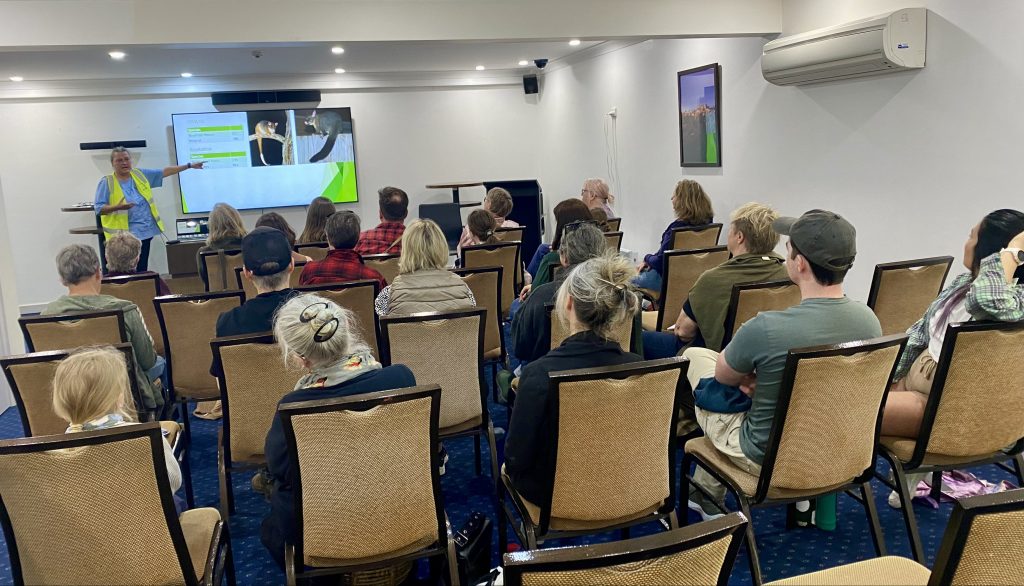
column 783, row 553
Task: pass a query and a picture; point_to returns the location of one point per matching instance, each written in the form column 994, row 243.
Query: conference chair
column 252, row 381
column 314, row 250
column 385, row 264
column 446, row 349
column 749, row 299
column 64, row 524
column 981, row 545
column 823, row 436
column 614, row 240
column 628, row 332
column 140, row 290
column 241, row 283
column 614, row 454
column 974, row 411
column 701, row 554
column 693, row 237
column 510, row 234
column 504, row 255
column 614, row 224
column 485, row 283
column 357, row 297
column 347, row 523
column 73, row 330
column 220, row 265
column 30, row 377
column 902, row 291
column 189, row 322
column 680, row 270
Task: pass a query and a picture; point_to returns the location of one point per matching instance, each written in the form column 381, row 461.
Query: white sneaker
column 700, row 504
column 894, row 500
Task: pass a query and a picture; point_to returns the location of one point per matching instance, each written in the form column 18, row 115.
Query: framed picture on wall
column 700, row 116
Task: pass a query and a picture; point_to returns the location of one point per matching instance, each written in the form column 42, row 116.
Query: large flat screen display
column 266, row 158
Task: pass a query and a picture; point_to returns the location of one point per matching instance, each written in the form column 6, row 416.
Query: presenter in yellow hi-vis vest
column 124, row 200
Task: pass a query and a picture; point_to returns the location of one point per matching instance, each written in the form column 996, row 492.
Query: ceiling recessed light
column 574, row 42
column 186, row 74
column 116, row 55
column 339, row 70
column 337, row 50
column 17, row 78
column 523, row 62
column 480, row 68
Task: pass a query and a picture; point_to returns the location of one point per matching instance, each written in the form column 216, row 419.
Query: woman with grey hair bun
column 595, row 297
column 323, row 339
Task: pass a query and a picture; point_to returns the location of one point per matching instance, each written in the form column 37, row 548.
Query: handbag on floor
column 473, row 548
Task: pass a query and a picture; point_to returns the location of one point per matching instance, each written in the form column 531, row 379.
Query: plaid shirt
column 989, row 297
column 340, row 266
column 379, row 240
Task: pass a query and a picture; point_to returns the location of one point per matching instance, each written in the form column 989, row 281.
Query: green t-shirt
column 761, row 346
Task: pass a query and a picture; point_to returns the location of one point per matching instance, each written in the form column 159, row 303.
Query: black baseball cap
column 265, row 251
column 825, row 238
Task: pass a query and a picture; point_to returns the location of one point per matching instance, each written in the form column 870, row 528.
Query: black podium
column 527, row 210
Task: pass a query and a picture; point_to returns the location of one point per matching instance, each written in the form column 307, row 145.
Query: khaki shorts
column 922, row 371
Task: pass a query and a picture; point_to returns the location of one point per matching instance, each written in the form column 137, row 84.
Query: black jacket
column 529, row 453
column 531, row 328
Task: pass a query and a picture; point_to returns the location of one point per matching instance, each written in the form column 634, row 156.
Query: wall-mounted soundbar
column 230, row 100
column 106, row 146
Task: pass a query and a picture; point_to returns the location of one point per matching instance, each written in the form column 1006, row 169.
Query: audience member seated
column 736, row 392
column 992, row 290
column 692, row 208
column 594, row 298
column 322, row 338
column 597, row 195
column 91, row 391
column 319, row 210
column 424, row 282
column 751, row 243
column 276, row 221
column 570, row 210
column 386, row 238
column 267, row 264
column 342, row 263
column 498, row 203
column 226, row 232
column 79, row 269
column 479, row 229
column 531, row 335
column 123, row 251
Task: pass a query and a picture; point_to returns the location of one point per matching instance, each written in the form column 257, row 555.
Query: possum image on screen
column 329, row 124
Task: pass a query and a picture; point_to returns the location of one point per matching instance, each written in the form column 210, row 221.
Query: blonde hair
column 91, row 383
column 315, row 230
column 754, row 221
column 123, row 251
column 225, row 224
column 498, row 201
column 600, row 190
column 602, row 293
column 692, row 204
column 423, row 247
column 317, row 329
column 481, row 225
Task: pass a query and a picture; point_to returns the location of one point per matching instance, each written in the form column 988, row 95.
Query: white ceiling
column 282, row 59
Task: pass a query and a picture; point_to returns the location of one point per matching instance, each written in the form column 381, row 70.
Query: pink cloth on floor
column 957, row 484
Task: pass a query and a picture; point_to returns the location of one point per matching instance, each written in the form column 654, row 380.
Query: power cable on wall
column 611, row 144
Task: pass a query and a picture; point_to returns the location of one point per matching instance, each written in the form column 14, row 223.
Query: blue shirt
column 140, row 220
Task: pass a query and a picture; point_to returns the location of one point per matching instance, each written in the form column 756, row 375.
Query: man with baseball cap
column 820, row 250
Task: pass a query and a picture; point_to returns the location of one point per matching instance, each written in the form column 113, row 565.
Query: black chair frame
column 636, row 336
column 502, row 359
column 633, row 551
column 294, row 553
column 531, row 535
column 965, row 511
column 221, row 540
column 663, row 294
column 516, row 284
column 222, row 255
column 712, row 226
column 25, row 321
column 880, row 269
column 734, row 302
column 617, row 236
column 760, row 497
column 1014, row 454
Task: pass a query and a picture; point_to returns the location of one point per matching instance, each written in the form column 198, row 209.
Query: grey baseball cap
column 823, row 237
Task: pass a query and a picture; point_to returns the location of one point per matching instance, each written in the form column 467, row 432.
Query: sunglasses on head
column 575, row 225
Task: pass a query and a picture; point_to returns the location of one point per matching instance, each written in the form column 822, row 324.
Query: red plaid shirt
column 378, row 240
column 340, row 266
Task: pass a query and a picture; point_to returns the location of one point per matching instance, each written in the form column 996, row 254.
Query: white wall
column 403, row 138
column 913, row 160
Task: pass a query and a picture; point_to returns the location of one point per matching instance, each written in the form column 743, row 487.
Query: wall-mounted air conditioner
column 881, row 44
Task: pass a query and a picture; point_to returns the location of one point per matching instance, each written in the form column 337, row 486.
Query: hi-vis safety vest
column 118, row 221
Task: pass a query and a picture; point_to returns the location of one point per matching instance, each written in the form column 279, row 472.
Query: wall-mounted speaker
column 273, row 99
column 530, row 84
column 106, row 146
